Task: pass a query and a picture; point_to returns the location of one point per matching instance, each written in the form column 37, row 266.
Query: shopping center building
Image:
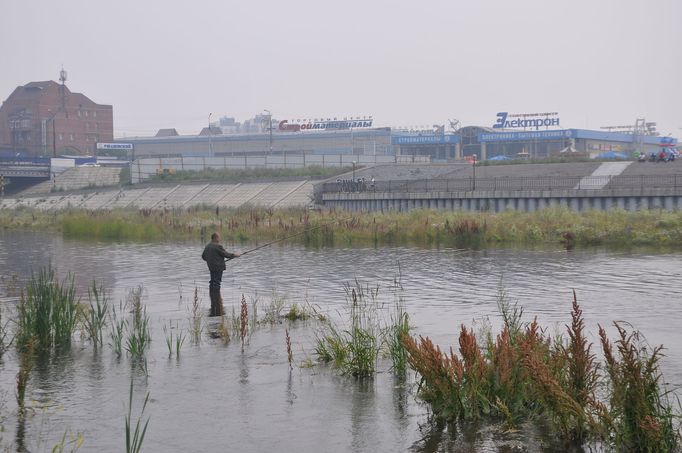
column 519, row 139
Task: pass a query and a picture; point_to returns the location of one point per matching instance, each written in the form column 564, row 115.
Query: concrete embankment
column 526, row 187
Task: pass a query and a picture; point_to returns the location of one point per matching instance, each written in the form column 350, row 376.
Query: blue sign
column 430, row 139
column 525, row 120
column 516, row 136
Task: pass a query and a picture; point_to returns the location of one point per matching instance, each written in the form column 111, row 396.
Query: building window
column 86, row 113
column 94, row 114
column 61, row 136
column 71, row 137
column 78, row 113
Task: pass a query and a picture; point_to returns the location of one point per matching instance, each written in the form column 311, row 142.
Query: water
column 217, row 398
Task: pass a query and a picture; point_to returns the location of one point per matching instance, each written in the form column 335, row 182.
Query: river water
column 216, row 397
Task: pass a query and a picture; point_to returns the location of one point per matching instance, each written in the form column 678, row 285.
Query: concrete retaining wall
column 528, row 201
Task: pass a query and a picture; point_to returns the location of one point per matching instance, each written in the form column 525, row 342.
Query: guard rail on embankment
column 630, row 192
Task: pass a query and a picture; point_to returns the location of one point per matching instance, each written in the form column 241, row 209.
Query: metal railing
column 508, row 184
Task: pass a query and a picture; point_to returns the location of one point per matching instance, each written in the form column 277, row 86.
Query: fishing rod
column 306, row 230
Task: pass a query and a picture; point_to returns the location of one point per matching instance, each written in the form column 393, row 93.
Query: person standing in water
column 215, row 256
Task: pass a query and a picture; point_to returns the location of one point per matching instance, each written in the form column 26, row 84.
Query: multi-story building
column 47, row 119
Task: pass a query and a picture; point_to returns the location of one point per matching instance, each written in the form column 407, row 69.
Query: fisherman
column 215, row 255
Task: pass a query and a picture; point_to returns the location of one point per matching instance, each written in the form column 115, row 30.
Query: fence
column 511, row 184
column 147, row 167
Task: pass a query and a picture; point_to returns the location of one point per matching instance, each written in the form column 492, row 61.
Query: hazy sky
column 171, row 63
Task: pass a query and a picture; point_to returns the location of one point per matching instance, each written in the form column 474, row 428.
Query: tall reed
column 196, row 318
column 393, row 338
column 138, row 336
column 94, row 318
column 49, row 311
column 243, row 321
column 118, row 328
column 290, row 354
column 174, row 341
column 135, row 438
column 353, row 350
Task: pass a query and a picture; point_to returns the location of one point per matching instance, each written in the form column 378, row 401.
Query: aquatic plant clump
column 523, row 375
column 355, row 348
column 48, row 313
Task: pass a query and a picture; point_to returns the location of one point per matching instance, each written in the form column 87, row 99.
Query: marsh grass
column 430, row 228
column 118, row 329
column 355, row 349
column 523, row 374
column 297, row 312
column 134, row 439
column 138, row 336
column 393, row 338
column 49, row 311
column 174, row 341
column 94, row 316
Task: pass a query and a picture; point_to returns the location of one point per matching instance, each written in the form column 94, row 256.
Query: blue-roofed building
column 484, row 142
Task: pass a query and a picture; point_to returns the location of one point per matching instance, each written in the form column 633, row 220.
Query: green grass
column 48, row 313
column 135, row 438
column 95, row 315
column 425, row 228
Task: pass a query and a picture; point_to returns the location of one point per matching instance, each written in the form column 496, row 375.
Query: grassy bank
column 326, row 228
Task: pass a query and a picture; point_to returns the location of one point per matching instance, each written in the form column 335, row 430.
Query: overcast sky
column 168, row 63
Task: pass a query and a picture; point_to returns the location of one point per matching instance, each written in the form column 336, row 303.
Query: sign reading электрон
column 526, row 120
column 321, row 124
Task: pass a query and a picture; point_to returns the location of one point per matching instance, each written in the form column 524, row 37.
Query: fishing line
column 306, row 230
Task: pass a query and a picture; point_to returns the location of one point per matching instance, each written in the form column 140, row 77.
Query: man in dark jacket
column 215, row 255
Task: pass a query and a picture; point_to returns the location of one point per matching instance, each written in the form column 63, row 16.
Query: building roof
column 170, row 132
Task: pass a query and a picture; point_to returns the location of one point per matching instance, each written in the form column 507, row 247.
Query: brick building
column 47, row 119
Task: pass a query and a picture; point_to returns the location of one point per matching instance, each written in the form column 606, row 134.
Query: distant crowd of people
column 355, row 185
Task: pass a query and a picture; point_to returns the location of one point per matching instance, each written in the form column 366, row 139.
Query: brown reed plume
column 290, row 354
column 243, row 320
column 582, row 374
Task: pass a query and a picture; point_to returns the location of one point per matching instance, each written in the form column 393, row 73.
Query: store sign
column 667, row 142
column 128, row 146
column 432, row 139
column 526, row 120
column 324, row 124
column 516, row 136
